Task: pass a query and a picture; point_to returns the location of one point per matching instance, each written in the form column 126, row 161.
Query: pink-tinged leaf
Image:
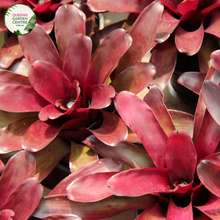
column 56, row 150
column 2, row 166
column 49, row 81
column 100, row 96
column 164, row 58
column 125, row 152
column 208, row 138
column 112, row 131
column 50, row 112
column 98, row 166
column 210, row 94
column 19, row 167
column 187, row 5
column 10, row 51
column 93, row 210
column 14, row 132
column 90, row 188
column 47, row 26
column 134, row 78
column 182, row 121
column 77, row 59
column 24, row 200
column 215, row 59
column 143, row 33
column 138, row 182
column 6, row 214
column 189, row 42
column 104, row 61
column 192, row 80
column 181, row 213
column 181, row 163
column 42, row 47
column 154, row 99
column 39, row 135
column 63, row 217
column 81, row 155
column 141, row 119
column 69, row 20
column 20, row 66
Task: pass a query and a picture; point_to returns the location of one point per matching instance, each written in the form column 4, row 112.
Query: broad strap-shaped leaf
column 69, row 20
column 164, row 58
column 98, row 166
column 6, row 214
column 40, row 134
column 10, row 51
column 210, row 94
column 103, row 209
column 125, row 152
column 19, row 167
column 181, row 163
column 77, row 59
column 139, row 182
column 143, row 33
column 154, row 99
column 112, row 131
column 14, row 132
column 134, row 78
column 24, row 200
column 42, row 47
column 141, row 119
column 186, row 6
column 189, row 42
column 104, row 61
column 215, row 59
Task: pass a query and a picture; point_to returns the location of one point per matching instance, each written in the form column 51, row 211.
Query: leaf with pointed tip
column 215, row 59
column 6, row 214
column 181, row 163
column 42, row 47
column 77, row 59
column 14, row 132
column 56, row 150
column 192, row 80
column 112, row 131
column 143, row 33
column 104, row 61
column 24, row 200
column 210, row 94
column 103, row 209
column 10, row 51
column 164, row 58
column 40, row 134
column 125, row 152
column 98, row 166
column 141, row 119
column 154, row 99
column 81, row 155
column 134, row 78
column 189, row 42
column 19, row 167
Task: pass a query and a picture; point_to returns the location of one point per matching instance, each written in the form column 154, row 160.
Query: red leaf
column 187, row 5
column 140, row 118
column 6, row 214
column 50, row 112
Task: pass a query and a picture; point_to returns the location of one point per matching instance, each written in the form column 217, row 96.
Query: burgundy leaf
column 69, row 20
column 140, row 118
column 189, row 42
column 10, row 51
column 164, row 58
column 24, row 200
column 6, row 214
column 98, row 166
column 50, row 112
column 125, row 152
column 2, row 22
column 104, row 61
column 154, row 99
column 138, row 182
column 39, row 135
column 215, row 59
column 49, row 81
column 112, row 131
column 181, row 163
column 134, row 78
column 77, row 59
column 42, row 47
column 19, row 167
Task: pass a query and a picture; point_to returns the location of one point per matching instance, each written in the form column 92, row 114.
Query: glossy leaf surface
column 215, row 59
column 6, row 214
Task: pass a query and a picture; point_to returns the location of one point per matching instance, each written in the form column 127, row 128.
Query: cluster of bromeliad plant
column 82, row 98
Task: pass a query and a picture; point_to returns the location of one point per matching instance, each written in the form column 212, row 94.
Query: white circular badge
column 20, row 19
